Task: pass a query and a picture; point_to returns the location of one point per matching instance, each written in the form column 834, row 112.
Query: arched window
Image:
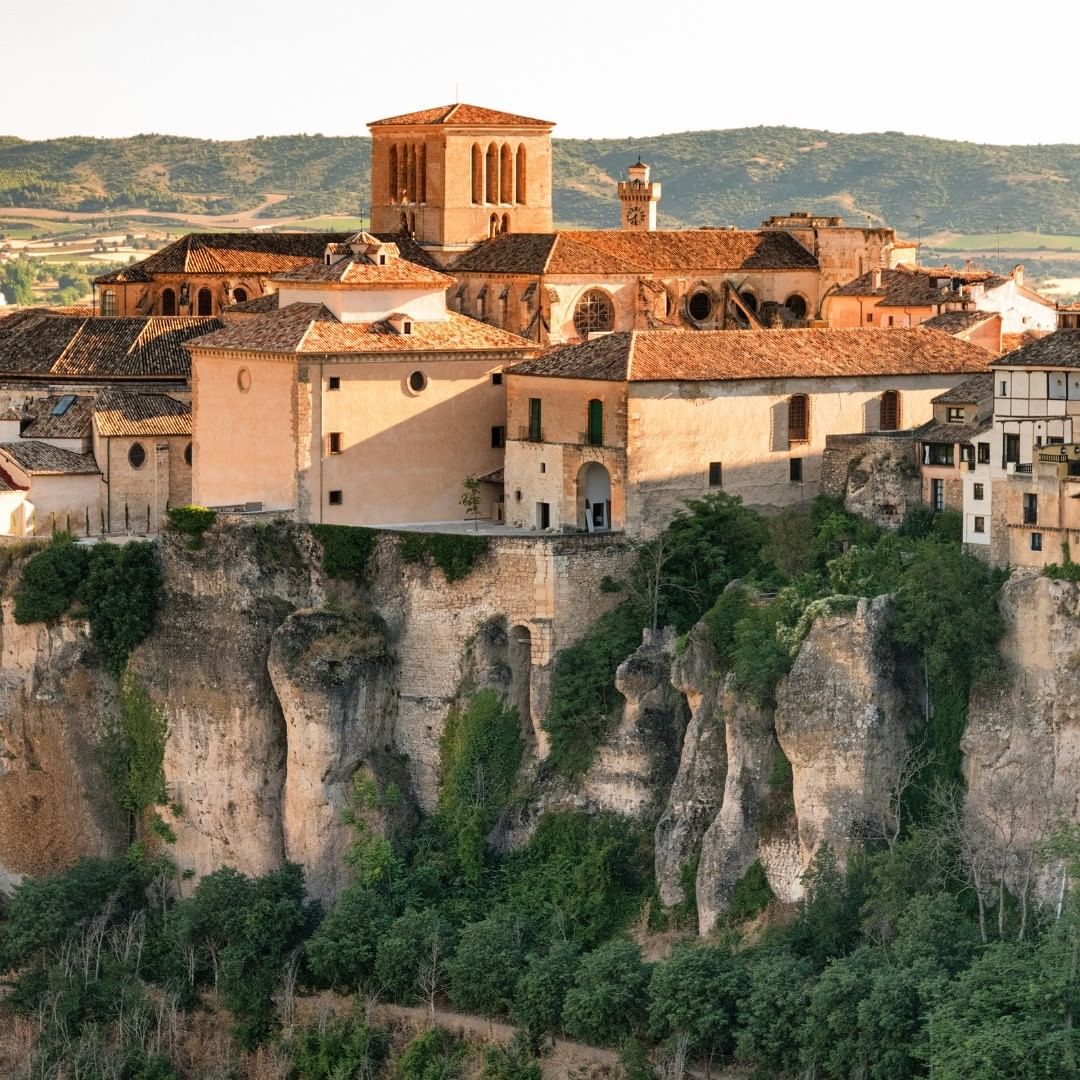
column 411, row 180
column 392, row 172
column 796, row 305
column 239, row 295
column 206, row 302
column 749, row 300
column 421, row 173
column 798, row 418
column 594, row 313
column 506, row 174
column 700, row 305
column 506, row 223
column 168, row 302
column 890, row 411
column 521, row 173
column 187, row 454
column 492, row 187
column 477, row 174
column 493, row 225
column 412, row 224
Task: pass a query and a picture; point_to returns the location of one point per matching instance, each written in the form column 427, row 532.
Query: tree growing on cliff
column 470, row 499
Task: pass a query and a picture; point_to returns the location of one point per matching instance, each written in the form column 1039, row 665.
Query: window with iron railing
column 1031, row 508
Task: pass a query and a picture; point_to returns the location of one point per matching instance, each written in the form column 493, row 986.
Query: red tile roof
column 311, row 328
column 359, row 272
column 461, row 115
column 610, row 251
column 41, row 458
column 141, row 414
column 721, row 355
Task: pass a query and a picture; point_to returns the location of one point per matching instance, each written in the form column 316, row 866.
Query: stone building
column 616, row 433
column 361, row 400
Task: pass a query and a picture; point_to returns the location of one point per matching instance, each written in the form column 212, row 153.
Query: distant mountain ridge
column 730, row 177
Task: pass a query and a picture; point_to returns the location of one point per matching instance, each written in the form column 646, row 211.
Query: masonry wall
column 163, row 480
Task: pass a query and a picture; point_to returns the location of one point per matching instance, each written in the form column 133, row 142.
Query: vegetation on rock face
column 455, row 554
column 347, row 550
column 50, row 580
column 192, row 522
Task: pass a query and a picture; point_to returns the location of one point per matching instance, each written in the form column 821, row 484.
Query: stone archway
column 594, row 497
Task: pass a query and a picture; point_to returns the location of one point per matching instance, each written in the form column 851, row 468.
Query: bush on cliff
column 347, row 550
column 455, row 554
column 50, row 580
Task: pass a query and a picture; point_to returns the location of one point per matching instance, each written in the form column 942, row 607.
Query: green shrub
column 759, row 657
column 609, row 997
column 347, row 550
column 488, row 961
column 133, row 752
column 455, row 554
column 341, row 953
column 192, row 522
column 50, row 580
column 511, row 1062
column 481, row 751
column 752, row 894
column 334, row 1049
column 435, row 1055
column 415, row 942
column 542, row 989
column 121, row 591
column 779, row 804
column 584, row 702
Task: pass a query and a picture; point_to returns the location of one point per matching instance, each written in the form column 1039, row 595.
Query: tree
column 17, row 281
column 487, row 963
column 407, row 949
column 50, row 580
column 341, row 953
column 696, row 993
column 542, row 989
column 470, row 499
column 607, row 1000
column 773, row 1007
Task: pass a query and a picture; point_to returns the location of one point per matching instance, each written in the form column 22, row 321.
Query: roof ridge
column 630, row 354
column 70, row 346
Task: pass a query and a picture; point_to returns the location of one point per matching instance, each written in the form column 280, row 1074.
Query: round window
column 594, row 313
column 700, row 305
column 136, row 455
column 417, row 381
column 187, row 454
column 750, row 300
column 243, row 380
column 796, row 305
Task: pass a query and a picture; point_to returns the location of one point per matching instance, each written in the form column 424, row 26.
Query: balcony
column 1014, row 468
column 590, row 438
column 1031, row 515
column 531, row 434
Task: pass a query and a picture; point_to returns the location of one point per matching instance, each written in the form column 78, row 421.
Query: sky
column 992, row 71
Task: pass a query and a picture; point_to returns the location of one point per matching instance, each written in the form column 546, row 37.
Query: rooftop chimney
column 875, row 278
column 1018, row 273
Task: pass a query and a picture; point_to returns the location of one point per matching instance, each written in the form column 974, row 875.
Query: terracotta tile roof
column 41, row 458
column 916, row 286
column 257, row 305
column 898, row 243
column 948, row 433
column 360, row 272
column 1059, row 349
column 311, row 328
column 8, row 484
column 957, row 322
column 72, row 423
column 720, row 355
column 610, row 251
column 1074, row 306
column 460, row 115
column 141, row 414
column 101, row 348
column 970, row 392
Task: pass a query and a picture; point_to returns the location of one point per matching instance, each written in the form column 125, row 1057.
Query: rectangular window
column 938, row 454
column 335, row 498
column 496, row 378
column 1004, row 389
column 543, row 515
column 937, row 494
column 967, row 452
column 108, row 302
column 596, row 423
column 716, row 474
column 334, row 382
column 980, row 525
column 1036, row 541
column 1031, row 508
column 1012, row 448
column 955, row 414
column 892, row 321
column 337, row 441
column 795, row 470
column 536, row 431
column 798, row 422
column 984, row 453
column 498, row 438
column 869, row 316
column 977, row 492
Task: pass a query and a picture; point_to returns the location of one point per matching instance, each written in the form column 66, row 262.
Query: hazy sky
column 990, row 71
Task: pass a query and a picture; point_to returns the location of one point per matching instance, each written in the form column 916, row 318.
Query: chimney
column 1018, row 273
column 875, row 278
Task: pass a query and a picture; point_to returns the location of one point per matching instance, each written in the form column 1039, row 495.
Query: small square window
column 955, row 414
column 869, row 316
column 336, row 442
column 498, row 437
column 496, row 378
column 335, row 498
column 892, row 321
column 978, row 492
column 1036, row 541
column 795, row 470
column 334, row 382
column 980, row 525
column 716, row 474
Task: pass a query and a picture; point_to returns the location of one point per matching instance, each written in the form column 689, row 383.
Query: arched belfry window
column 493, row 225
column 392, row 172
column 505, row 223
column 506, row 174
column 492, row 186
column 890, row 411
column 411, row 181
column 798, row 418
column 421, row 173
column 477, row 174
column 168, row 302
column 594, row 313
column 521, row 173
column 205, row 302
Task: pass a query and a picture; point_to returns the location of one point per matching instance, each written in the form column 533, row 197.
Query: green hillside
column 731, row 177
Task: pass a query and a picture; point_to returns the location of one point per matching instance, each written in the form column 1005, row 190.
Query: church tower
column 458, row 174
column 639, row 196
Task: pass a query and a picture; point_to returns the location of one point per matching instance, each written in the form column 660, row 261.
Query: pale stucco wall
column 370, row 305
column 61, row 502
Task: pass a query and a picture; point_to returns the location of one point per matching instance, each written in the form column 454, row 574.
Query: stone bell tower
column 639, row 196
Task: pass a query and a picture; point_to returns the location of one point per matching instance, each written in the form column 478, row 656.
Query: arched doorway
column 239, row 296
column 519, row 660
column 206, row 302
column 594, row 497
column 168, row 302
